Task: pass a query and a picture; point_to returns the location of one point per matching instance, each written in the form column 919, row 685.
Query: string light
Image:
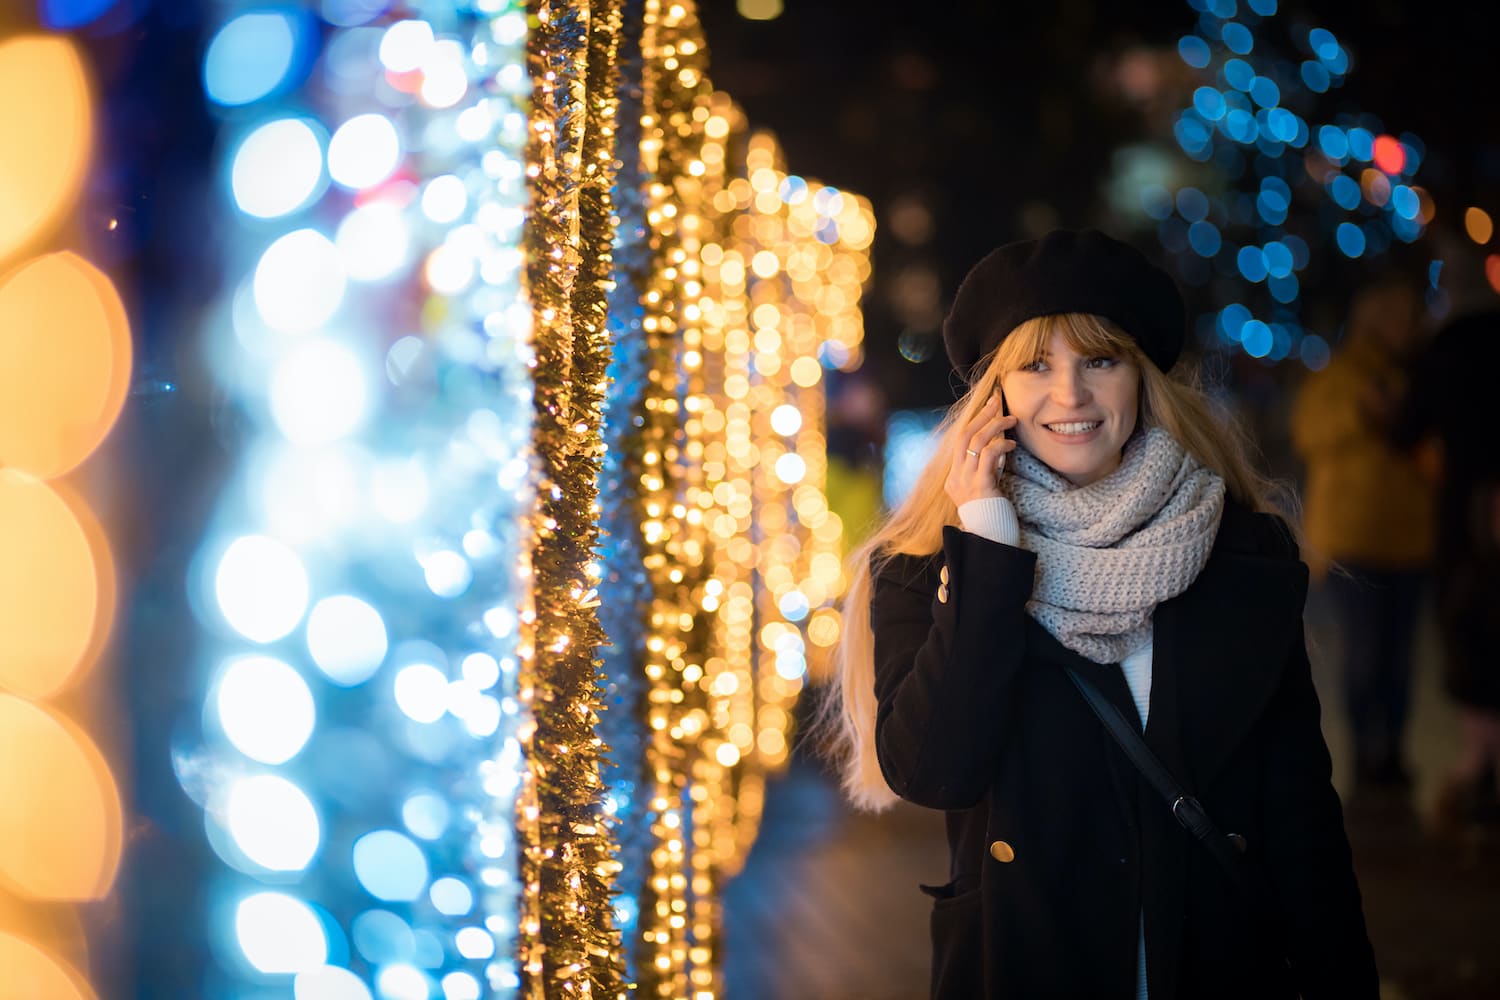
column 570, row 946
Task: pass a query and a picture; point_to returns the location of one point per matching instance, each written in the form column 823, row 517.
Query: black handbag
column 1227, row 848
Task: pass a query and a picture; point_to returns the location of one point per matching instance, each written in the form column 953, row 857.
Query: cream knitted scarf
column 1110, row 552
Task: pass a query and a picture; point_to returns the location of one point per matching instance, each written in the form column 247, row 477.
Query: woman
column 1121, row 533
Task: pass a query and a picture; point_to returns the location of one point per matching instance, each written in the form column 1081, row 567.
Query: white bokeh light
column 280, row 935
column 364, row 151
column 347, row 639
column 265, row 708
column 790, row 468
column 448, row 573
column 318, row 393
column 451, row 897
column 406, row 45
column 261, row 588
column 422, row 692
column 449, row 269
column 444, row 81
column 374, row 242
column 402, row 982
column 276, row 169
column 460, row 986
column 273, row 822
column 299, row 282
column 444, row 198
column 329, row 983
column 474, row 943
column 786, row 419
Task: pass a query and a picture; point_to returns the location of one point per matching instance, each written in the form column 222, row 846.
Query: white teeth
column 1074, row 428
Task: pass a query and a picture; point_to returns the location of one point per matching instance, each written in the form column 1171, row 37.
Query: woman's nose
column 1069, row 389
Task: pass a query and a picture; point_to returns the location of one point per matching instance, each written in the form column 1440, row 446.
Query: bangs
column 1082, row 332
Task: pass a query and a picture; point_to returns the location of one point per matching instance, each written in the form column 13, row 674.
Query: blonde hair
column 915, row 527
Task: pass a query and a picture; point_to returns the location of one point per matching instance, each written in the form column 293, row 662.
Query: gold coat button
column 942, row 593
column 943, row 573
column 1002, row 852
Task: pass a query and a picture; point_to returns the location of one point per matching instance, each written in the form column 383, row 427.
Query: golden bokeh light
column 28, row 973
column 60, row 830
column 1479, row 225
column 45, row 135
column 56, row 587
column 64, row 363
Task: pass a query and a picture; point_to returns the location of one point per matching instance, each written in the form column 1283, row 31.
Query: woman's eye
column 1103, row 362
column 1034, row 366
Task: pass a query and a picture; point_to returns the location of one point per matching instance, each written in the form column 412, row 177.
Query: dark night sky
column 987, row 108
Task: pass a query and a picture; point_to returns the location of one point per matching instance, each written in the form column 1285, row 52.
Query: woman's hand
column 978, row 462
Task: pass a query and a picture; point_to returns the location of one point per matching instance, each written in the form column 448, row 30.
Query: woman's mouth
column 1074, row 428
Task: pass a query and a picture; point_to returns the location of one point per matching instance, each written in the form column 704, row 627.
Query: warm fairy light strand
column 572, row 948
column 673, row 57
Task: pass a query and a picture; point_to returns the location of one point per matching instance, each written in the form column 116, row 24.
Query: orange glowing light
column 45, row 134
column 1376, row 187
column 1388, row 154
column 1492, row 271
column 64, row 363
column 60, row 830
column 56, row 588
column 1479, row 225
column 27, row 971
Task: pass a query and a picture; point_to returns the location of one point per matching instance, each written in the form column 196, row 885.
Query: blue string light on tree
column 359, row 759
column 1281, row 186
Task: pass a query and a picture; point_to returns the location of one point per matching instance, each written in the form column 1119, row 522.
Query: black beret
column 1065, row 272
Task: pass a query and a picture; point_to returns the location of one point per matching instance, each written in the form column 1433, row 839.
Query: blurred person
column 1369, row 513
column 1452, row 407
column 1040, row 600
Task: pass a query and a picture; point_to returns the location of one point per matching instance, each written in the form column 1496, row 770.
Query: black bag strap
column 1186, row 809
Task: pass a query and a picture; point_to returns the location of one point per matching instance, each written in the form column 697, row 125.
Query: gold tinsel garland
column 569, row 946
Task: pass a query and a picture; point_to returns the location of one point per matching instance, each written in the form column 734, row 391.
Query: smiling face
column 1075, row 410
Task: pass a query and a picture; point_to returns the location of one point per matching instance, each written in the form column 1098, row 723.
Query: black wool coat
column 1058, row 849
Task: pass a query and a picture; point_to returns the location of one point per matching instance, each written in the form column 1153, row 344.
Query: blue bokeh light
column 1333, row 142
column 1323, row 44
column 1315, row 77
column 1265, row 8
column 1204, row 238
column 1351, row 239
column 1256, row 339
column 1156, row 201
column 1194, row 51
column 1272, row 207
column 1284, row 289
column 1284, row 125
column 1361, row 144
column 1278, row 259
column 1239, row 75
column 1232, row 320
column 1404, row 202
column 64, row 15
column 1209, row 102
column 1345, row 192
column 1192, row 204
column 1315, row 352
column 1240, row 126
column 1237, row 38
column 1301, row 255
column 1264, row 91
column 252, row 56
column 1252, row 263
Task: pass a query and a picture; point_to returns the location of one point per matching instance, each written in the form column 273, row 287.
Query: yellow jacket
column 1366, row 504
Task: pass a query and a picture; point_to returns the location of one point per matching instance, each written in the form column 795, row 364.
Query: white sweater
column 994, row 518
